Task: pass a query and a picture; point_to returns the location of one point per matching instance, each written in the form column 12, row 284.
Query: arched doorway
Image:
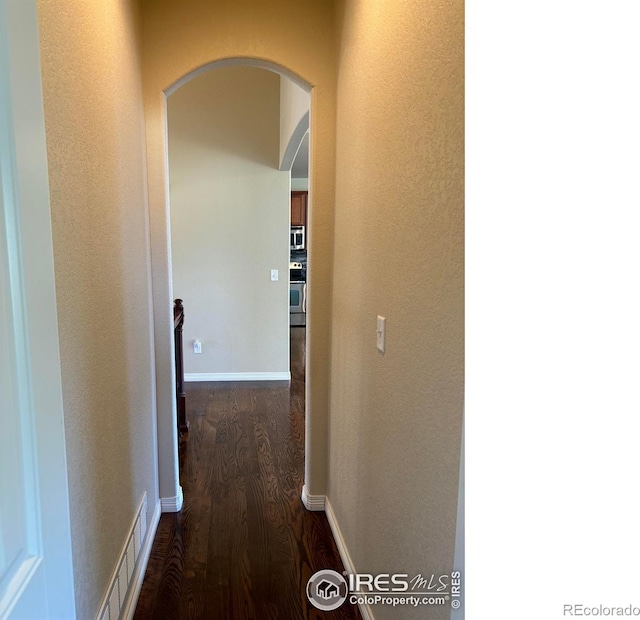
column 315, row 459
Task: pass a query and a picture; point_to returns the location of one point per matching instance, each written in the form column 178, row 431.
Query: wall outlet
column 381, row 333
column 274, row 275
column 197, row 346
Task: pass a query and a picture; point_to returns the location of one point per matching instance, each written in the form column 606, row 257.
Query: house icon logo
column 327, row 590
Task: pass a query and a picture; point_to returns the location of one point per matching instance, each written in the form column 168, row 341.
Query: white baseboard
column 172, row 504
column 365, row 609
column 312, row 502
column 237, row 376
column 124, row 588
column 321, row 502
column 129, row 608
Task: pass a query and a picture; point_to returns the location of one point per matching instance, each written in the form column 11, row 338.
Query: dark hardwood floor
column 243, row 545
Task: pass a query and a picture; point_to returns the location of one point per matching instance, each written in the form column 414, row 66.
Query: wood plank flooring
column 243, row 546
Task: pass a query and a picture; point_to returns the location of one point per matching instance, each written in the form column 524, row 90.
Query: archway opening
column 220, row 339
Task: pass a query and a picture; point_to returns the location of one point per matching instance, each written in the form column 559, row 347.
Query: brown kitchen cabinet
column 299, row 208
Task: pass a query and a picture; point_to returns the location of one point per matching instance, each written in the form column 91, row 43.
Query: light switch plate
column 274, row 275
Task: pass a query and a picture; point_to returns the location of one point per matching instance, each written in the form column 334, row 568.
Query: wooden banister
column 181, row 397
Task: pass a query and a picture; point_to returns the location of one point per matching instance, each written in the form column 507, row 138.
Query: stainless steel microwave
column 297, row 238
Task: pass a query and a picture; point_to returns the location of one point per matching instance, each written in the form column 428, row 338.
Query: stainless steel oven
column 297, row 303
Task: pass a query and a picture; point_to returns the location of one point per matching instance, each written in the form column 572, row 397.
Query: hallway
column 243, row 546
column 387, row 166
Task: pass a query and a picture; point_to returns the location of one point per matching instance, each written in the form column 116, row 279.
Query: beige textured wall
column 178, row 38
column 395, row 425
column 95, row 143
column 230, row 209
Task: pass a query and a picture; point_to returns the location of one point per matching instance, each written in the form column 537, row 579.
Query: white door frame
column 36, row 571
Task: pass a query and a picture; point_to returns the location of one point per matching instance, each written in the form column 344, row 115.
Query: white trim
column 172, row 504
column 295, row 142
column 39, row 579
column 365, row 609
column 312, row 502
column 242, row 61
column 129, row 606
column 237, row 376
column 321, row 502
column 126, row 581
